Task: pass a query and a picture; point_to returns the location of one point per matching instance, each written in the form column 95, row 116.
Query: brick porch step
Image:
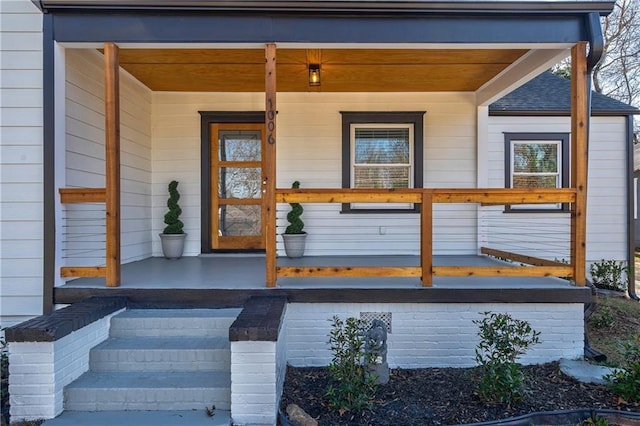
column 141, row 418
column 112, row 391
column 158, row 360
column 173, row 322
column 161, row 354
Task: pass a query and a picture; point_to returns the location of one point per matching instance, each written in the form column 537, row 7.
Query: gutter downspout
column 631, row 199
column 596, row 49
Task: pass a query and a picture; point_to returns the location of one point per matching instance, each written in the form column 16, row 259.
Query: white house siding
column 422, row 333
column 606, row 207
column 84, row 241
column 309, row 150
column 21, row 207
column 607, row 233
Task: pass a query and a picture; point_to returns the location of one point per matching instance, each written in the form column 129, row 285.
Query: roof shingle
column 550, row 93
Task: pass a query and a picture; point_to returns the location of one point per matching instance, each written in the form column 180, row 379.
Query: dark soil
column 615, row 320
column 444, row 396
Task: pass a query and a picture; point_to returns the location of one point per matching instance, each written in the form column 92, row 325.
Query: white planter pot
column 172, row 245
column 294, row 244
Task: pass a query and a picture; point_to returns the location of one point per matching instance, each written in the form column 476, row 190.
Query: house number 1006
column 271, row 123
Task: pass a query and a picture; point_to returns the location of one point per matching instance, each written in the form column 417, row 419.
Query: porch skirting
column 270, row 334
column 434, row 334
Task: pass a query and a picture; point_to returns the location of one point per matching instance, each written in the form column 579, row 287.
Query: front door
column 237, row 219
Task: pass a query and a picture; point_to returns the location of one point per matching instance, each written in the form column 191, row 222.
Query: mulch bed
column 444, row 396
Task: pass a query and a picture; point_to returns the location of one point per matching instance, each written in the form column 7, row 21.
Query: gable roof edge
column 602, row 7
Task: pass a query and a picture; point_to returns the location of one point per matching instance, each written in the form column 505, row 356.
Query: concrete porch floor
column 237, row 272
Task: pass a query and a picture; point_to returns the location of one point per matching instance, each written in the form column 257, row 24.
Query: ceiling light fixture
column 314, row 74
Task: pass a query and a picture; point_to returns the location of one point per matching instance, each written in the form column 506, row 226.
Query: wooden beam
column 521, row 71
column 83, row 271
column 349, row 271
column 503, row 271
column 112, row 146
column 340, row 195
column 82, row 195
column 269, row 171
column 426, row 239
column 579, row 160
column 515, row 257
column 495, row 196
column 499, row 196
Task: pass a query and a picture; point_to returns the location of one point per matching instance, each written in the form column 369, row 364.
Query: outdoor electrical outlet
column 382, row 230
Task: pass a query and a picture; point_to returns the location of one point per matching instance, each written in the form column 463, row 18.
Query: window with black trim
column 382, row 150
column 536, row 160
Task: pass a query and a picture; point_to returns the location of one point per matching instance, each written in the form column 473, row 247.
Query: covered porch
column 477, row 69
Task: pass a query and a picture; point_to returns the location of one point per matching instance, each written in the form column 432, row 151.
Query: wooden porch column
column 112, row 146
column 579, row 160
column 269, row 172
column 426, row 238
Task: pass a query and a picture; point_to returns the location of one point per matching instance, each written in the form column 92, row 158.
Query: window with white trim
column 536, row 160
column 382, row 151
column 382, row 155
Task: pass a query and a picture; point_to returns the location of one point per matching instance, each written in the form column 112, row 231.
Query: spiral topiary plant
column 296, row 225
column 172, row 217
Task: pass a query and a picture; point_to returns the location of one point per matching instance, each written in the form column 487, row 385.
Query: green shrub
column 625, row 382
column 609, row 275
column 602, row 318
column 296, row 225
column 4, row 374
column 596, row 420
column 352, row 389
column 4, row 356
column 172, row 217
column 502, row 340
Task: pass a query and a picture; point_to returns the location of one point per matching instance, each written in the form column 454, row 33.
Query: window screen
column 537, row 160
column 382, row 157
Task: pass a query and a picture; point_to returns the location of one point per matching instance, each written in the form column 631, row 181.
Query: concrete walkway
column 141, row 418
column 584, row 371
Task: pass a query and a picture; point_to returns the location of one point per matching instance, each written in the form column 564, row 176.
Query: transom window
column 538, row 160
column 382, row 150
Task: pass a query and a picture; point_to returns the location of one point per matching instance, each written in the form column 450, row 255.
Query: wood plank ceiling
column 342, row 70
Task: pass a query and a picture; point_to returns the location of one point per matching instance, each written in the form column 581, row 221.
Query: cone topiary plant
column 172, row 217
column 296, row 225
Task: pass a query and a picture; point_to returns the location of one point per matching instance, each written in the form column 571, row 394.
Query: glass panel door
column 236, row 174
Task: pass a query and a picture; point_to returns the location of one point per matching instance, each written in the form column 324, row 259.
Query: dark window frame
column 565, row 141
column 415, row 118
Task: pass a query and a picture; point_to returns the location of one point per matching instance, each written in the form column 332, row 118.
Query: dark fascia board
column 259, row 27
column 561, row 113
column 461, row 6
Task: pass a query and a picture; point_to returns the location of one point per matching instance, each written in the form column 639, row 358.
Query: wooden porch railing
column 426, row 198
column 77, row 196
column 110, row 194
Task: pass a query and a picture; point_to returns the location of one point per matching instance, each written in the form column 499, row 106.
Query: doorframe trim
column 206, row 119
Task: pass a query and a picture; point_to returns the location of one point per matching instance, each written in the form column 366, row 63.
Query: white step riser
column 157, row 399
column 168, row 327
column 160, row 360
